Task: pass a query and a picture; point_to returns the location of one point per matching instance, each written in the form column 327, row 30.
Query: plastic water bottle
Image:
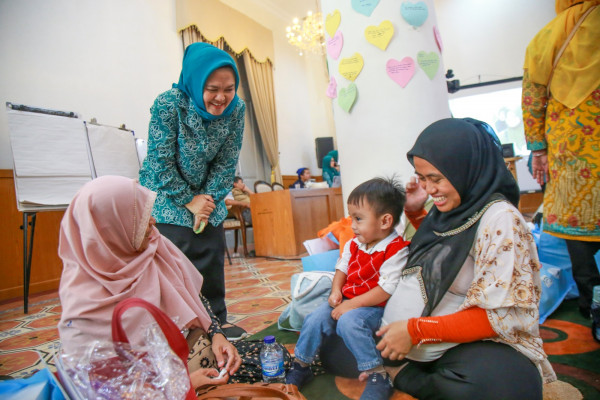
column 595, row 311
column 271, row 360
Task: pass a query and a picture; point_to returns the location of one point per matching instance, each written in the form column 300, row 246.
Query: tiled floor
column 258, row 289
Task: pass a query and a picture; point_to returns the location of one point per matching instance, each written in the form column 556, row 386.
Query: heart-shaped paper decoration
column 414, row 13
column 429, row 62
column 350, row 67
column 365, row 7
column 347, row 97
column 380, row 35
column 332, row 22
column 401, row 71
column 438, row 38
column 332, row 88
column 335, row 44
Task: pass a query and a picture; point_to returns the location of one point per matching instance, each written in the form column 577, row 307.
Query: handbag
column 246, row 391
column 115, row 370
column 309, row 290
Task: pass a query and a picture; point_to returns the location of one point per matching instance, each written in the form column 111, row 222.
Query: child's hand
column 340, row 310
column 335, row 299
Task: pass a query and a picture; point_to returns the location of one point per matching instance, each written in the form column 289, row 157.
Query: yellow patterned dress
column 572, row 137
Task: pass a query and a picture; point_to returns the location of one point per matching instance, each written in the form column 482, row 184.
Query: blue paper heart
column 414, row 13
column 365, row 7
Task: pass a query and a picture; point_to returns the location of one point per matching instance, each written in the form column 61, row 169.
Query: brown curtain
column 260, row 82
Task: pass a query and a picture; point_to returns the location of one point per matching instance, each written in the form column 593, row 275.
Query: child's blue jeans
column 356, row 327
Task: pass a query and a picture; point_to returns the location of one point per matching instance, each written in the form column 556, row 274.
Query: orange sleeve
column 415, row 217
column 464, row 326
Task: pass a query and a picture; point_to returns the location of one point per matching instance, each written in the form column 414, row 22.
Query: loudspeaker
column 508, row 150
column 323, row 146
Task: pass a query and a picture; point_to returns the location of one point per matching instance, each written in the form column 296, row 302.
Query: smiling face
column 219, row 90
column 445, row 197
column 366, row 225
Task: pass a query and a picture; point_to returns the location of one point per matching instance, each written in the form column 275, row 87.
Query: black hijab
column 468, row 153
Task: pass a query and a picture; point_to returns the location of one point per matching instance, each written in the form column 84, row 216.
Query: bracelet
column 543, row 153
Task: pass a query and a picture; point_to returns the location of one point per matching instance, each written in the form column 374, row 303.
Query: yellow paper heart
column 350, row 67
column 332, row 22
column 380, row 35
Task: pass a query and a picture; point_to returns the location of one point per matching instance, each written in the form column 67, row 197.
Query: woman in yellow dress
column 561, row 115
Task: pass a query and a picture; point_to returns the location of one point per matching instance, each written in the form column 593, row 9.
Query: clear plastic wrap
column 107, row 371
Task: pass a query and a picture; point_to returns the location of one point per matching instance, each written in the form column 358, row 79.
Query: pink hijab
column 100, row 237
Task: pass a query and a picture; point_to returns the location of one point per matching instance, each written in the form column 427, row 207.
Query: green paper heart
column 429, row 62
column 347, row 96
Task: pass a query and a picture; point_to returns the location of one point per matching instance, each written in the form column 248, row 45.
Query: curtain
column 260, row 82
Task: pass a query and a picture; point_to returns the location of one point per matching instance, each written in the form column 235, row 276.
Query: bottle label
column 272, row 368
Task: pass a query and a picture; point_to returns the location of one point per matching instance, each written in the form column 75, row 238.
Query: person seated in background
column 303, row 178
column 240, row 196
column 366, row 276
column 111, row 251
column 331, row 169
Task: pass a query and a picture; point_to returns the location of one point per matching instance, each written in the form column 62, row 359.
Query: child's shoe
column 379, row 387
column 299, row 375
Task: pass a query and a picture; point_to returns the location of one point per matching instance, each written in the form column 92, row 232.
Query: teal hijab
column 326, row 166
column 199, row 61
column 334, row 154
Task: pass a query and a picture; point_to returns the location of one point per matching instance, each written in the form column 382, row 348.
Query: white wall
column 106, row 59
column 486, row 40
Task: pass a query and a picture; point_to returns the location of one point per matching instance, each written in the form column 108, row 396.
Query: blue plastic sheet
column 556, row 273
column 40, row 386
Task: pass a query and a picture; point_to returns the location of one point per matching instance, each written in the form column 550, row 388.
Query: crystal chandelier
column 307, row 34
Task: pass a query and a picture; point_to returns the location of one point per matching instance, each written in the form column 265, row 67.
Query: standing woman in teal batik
column 194, row 142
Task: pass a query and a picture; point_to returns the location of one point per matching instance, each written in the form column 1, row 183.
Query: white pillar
column 386, row 118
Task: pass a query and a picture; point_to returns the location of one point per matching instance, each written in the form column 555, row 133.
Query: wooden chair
column 277, row 186
column 261, row 187
column 235, row 221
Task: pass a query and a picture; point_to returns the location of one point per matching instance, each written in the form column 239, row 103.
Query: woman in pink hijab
column 112, row 251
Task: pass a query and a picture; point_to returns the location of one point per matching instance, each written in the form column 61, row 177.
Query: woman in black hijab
column 463, row 321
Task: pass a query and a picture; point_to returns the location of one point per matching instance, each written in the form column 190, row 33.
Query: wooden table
column 282, row 220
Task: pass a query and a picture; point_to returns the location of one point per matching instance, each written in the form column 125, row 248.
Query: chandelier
column 307, row 34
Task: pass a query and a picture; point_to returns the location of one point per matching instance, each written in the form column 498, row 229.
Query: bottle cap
column 596, row 295
column 269, row 339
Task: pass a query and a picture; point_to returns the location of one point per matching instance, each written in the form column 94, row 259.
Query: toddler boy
column 366, row 275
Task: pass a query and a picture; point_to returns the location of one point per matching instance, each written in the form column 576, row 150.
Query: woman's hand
column 207, row 376
column 396, row 341
column 226, row 354
column 539, row 166
column 201, row 204
column 416, row 196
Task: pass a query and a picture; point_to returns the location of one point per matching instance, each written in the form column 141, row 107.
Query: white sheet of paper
column 113, row 151
column 48, row 145
column 38, row 193
column 318, row 245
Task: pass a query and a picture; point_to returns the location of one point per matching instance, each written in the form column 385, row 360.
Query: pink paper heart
column 332, row 88
column 401, row 71
column 335, row 44
column 438, row 38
